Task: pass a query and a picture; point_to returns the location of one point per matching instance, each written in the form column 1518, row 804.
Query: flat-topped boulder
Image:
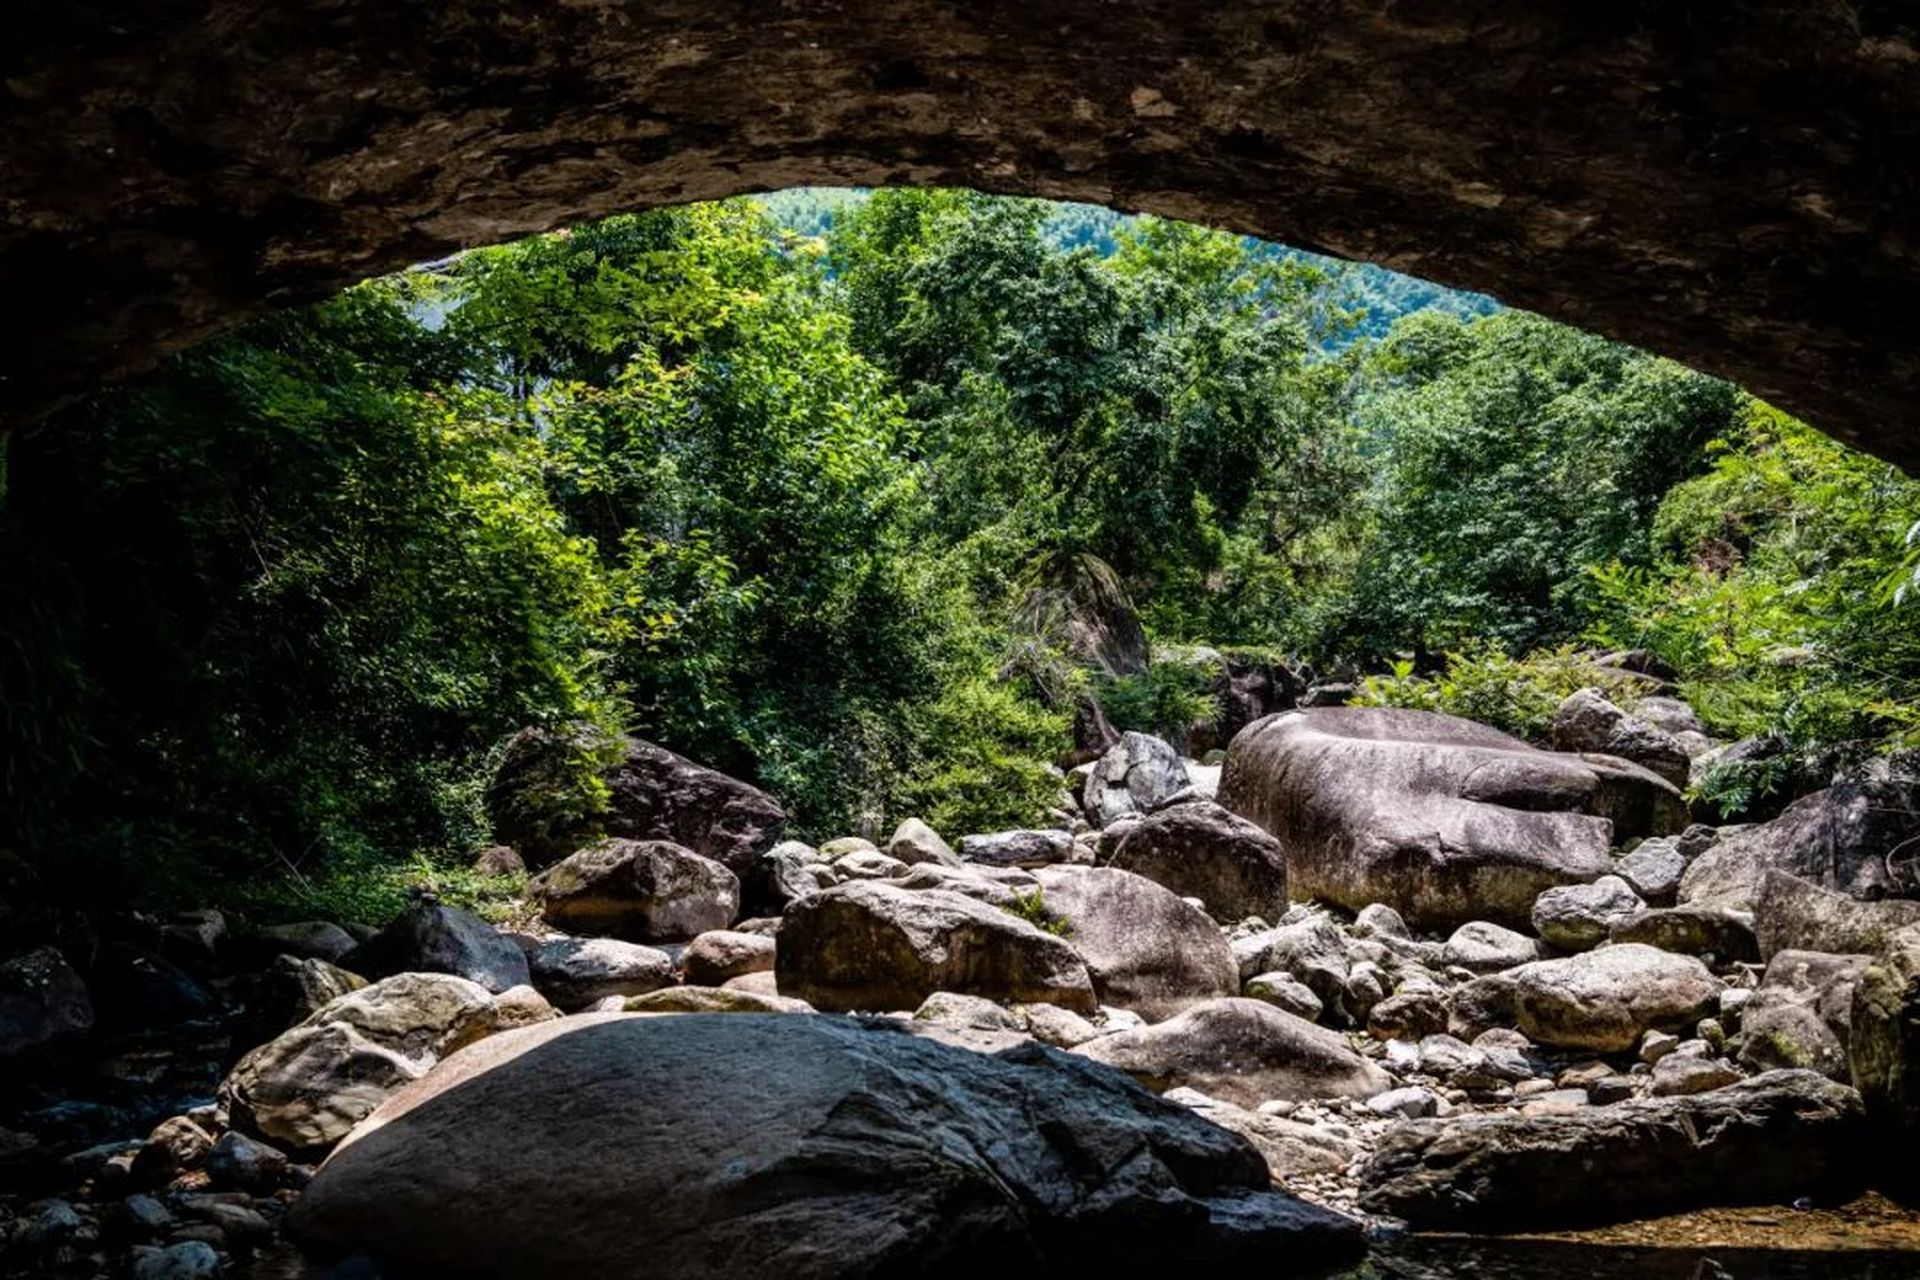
column 1770, row 1139
column 1440, row 818
column 870, row 945
column 1242, row 1051
column 1604, row 1000
column 709, row 1148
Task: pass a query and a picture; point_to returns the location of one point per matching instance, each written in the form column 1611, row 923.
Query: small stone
column 1482, row 947
column 189, row 1260
column 1284, row 991
column 1609, row 1090
column 1412, row 1103
column 1583, row 1075
column 1378, row 920
column 1675, row 1075
column 1656, row 1045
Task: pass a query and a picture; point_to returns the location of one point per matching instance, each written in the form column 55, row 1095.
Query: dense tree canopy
column 768, row 488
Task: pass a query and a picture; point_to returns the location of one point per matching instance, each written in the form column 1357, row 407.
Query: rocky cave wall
column 1730, row 184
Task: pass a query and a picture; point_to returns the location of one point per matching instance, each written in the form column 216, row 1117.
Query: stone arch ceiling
column 1731, row 184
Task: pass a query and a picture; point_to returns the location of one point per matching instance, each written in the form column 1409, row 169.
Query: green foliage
column 1165, row 700
column 1483, row 683
column 986, row 753
column 1032, row 908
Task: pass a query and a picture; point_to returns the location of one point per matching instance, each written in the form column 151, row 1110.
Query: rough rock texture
column 288, row 992
column 710, row 1147
column 42, row 999
column 1770, row 1139
column 1139, row 774
column 875, row 946
column 430, row 938
column 1589, row 721
column 915, row 842
column 1801, row 1015
column 1440, row 818
column 1848, row 838
column 1725, row 936
column 1792, row 914
column 1017, row 848
column 576, row 972
column 1290, row 1147
column 653, row 794
column 723, row 954
column 1199, row 850
column 1243, row 1051
column 694, row 999
column 174, row 168
column 640, row 890
column 1654, row 868
column 777, row 877
column 1603, row 1000
column 1884, row 1049
column 1578, row 917
column 307, row 1088
column 1488, row 948
column 1146, row 949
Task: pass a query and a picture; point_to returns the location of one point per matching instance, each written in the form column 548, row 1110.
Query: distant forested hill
column 1377, row 295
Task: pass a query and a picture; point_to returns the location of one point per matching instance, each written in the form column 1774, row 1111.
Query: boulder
column 1199, row 850
column 1846, row 838
column 692, row 999
column 1145, row 948
column 1579, row 917
column 1768, row 1140
column 638, row 890
column 914, row 842
column 42, row 1000
column 867, row 864
column 287, row 993
column 875, row 946
column 1724, row 937
column 1078, row 605
column 1284, row 991
column 1589, row 722
column 1017, row 848
column 1291, row 1148
column 1883, row 1050
column 1483, row 947
column 1000, row 886
column 722, row 954
column 1793, row 914
column 1603, row 1000
column 431, row 938
column 1409, row 1015
column 1654, row 868
column 576, row 972
column 1670, row 714
column 308, row 1087
column 1484, row 1004
column 1312, row 950
column 1440, row 818
column 535, row 799
column 705, row 1148
column 307, row 939
column 1138, row 775
column 1677, row 1075
column 1244, row 1051
column 1801, row 1015
column 777, row 877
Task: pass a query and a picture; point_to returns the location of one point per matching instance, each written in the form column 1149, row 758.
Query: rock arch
column 1731, row 184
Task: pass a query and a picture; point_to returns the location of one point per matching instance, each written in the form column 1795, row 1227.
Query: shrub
column 1484, row 684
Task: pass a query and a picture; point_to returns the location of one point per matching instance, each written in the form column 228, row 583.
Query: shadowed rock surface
column 1777, row 1136
column 740, row 1145
column 1728, row 185
column 1440, row 818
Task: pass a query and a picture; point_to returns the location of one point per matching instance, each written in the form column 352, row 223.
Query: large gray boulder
column 1848, row 838
column 1146, row 949
column 43, row 999
column 1440, row 818
column 1771, row 1139
column 869, row 945
column 1604, row 1000
column 1243, row 1051
column 1589, row 722
column 576, row 972
column 1793, row 914
column 306, row 1088
column 430, row 938
column 1139, row 774
column 714, row 1147
column 538, row 805
column 1199, row 850
column 638, row 890
column 1801, row 1015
